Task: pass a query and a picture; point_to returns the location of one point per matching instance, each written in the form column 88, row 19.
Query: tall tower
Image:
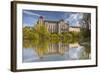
column 61, row 22
column 41, row 20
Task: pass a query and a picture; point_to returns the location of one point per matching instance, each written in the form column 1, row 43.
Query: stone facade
column 57, row 26
column 54, row 26
column 74, row 29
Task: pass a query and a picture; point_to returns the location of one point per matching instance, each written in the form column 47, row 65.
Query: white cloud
column 74, row 18
column 31, row 13
column 27, row 25
column 78, row 23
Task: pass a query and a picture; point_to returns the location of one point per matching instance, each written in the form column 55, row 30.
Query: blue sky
column 30, row 17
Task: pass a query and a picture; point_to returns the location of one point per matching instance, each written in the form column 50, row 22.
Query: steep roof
column 51, row 21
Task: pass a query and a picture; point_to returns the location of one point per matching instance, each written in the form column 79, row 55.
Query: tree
column 86, row 21
column 85, row 28
column 42, row 31
column 26, row 32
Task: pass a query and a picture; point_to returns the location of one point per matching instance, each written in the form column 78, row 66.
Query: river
column 47, row 51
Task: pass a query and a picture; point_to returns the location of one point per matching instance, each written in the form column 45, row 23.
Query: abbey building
column 57, row 26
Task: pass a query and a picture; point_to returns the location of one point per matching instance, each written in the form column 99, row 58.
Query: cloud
column 73, row 16
column 78, row 23
column 74, row 19
column 31, row 13
column 30, row 25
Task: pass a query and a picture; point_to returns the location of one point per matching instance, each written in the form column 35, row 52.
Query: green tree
column 86, row 21
column 85, row 33
column 26, row 32
column 42, row 31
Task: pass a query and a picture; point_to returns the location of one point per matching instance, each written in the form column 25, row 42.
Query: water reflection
column 36, row 51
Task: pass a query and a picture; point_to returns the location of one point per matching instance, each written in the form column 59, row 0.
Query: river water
column 54, row 52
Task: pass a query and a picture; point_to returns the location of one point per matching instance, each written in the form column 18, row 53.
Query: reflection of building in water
column 56, row 52
column 75, row 45
column 59, row 48
column 57, row 26
column 75, row 51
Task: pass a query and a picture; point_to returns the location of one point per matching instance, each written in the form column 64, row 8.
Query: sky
column 30, row 17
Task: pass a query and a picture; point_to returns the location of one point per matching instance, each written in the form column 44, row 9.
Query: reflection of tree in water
column 41, row 48
column 46, row 47
column 53, row 49
column 87, row 52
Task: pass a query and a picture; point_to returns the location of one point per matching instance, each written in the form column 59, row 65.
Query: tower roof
column 41, row 17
